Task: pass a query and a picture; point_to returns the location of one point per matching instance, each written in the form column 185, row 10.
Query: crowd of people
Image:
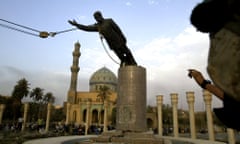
column 58, row 128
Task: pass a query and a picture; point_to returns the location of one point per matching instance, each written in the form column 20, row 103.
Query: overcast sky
column 158, row 32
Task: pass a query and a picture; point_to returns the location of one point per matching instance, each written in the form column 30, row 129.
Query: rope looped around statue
column 101, row 37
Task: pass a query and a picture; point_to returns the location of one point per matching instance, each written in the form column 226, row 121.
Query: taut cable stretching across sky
column 41, row 34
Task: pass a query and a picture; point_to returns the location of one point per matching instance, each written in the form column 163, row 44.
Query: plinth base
column 118, row 137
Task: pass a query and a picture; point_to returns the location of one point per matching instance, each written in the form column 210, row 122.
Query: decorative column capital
column 159, row 99
column 174, row 98
column 207, row 96
column 190, row 97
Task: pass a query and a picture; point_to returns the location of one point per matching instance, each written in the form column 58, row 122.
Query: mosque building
column 78, row 102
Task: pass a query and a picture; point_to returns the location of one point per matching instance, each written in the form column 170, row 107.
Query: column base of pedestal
column 117, row 137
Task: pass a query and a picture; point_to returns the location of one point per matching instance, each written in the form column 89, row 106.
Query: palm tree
column 37, row 94
column 48, row 98
column 104, row 92
column 20, row 90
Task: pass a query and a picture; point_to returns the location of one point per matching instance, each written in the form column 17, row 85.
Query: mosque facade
column 88, row 106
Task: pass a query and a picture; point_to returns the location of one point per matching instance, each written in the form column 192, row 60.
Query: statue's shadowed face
column 98, row 16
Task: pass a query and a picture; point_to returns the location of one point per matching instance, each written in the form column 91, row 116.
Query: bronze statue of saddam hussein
column 113, row 35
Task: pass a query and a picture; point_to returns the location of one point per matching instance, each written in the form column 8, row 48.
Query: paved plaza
column 59, row 140
column 74, row 139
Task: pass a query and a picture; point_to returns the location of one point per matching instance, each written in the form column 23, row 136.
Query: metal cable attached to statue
column 101, row 37
column 41, row 34
column 17, row 29
column 44, row 34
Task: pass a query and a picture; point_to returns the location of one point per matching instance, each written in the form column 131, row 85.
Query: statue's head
column 98, row 16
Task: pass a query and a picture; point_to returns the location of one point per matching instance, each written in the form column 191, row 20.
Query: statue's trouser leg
column 129, row 57
column 125, row 55
column 120, row 55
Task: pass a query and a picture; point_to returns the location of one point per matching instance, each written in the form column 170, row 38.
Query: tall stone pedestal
column 131, row 102
column 131, row 125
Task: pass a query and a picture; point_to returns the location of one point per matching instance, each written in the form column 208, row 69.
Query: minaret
column 72, row 92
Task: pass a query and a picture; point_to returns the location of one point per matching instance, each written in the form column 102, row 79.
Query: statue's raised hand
column 73, row 22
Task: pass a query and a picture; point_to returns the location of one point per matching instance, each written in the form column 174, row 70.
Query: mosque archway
column 102, row 116
column 74, row 116
column 149, row 123
column 95, row 116
column 84, row 115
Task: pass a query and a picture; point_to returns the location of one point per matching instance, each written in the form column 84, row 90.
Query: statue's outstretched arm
column 91, row 28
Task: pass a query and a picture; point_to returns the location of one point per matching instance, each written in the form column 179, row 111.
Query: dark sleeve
column 229, row 113
column 90, row 28
column 230, row 103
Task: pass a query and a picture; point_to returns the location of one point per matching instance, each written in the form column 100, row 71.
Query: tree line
column 38, row 101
